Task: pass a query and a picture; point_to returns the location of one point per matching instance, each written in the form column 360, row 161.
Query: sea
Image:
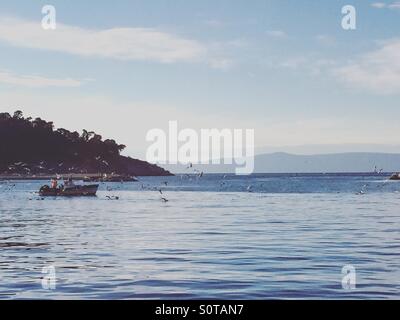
column 264, row 236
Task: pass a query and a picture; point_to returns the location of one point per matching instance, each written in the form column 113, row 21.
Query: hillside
column 32, row 146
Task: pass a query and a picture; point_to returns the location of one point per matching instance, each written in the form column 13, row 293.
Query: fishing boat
column 74, row 191
column 395, row 176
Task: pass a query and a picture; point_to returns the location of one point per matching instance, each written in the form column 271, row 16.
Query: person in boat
column 53, row 183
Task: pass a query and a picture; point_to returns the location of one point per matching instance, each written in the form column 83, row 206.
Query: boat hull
column 396, row 176
column 75, row 191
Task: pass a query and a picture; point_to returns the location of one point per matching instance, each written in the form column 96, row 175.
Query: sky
column 285, row 68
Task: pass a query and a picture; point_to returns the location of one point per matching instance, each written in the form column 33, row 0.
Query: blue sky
column 285, row 68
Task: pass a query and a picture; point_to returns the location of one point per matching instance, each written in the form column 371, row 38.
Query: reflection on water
column 289, row 238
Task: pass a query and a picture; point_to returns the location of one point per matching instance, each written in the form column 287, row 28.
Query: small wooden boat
column 395, row 176
column 73, row 191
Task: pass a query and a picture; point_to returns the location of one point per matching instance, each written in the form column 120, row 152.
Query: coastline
column 74, row 176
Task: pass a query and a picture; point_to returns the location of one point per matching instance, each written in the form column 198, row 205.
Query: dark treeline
column 32, row 146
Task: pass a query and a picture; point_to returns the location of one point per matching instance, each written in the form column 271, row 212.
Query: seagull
column 164, row 199
column 190, row 165
column 160, row 191
column 112, row 198
column 105, row 162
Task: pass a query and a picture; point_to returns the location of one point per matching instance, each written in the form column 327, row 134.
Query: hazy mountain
column 340, row 162
column 310, row 149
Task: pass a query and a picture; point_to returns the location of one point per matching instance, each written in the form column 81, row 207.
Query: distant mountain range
column 281, row 162
column 310, row 149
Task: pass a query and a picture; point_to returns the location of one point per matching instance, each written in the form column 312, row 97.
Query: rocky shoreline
column 75, row 176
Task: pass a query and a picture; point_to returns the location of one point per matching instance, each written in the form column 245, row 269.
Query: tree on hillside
column 33, row 146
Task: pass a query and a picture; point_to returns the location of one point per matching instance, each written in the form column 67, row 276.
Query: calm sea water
column 257, row 237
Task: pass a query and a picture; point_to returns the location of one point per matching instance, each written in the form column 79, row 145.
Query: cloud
column 381, row 5
column 145, row 44
column 214, row 23
column 378, row 5
column 377, row 71
column 320, row 66
column 221, row 64
column 326, row 40
column 237, row 43
column 276, row 33
column 394, row 5
column 34, row 81
column 293, row 63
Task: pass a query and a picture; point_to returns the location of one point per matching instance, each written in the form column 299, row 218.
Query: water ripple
column 210, row 244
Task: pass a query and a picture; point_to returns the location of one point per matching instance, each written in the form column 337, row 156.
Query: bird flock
column 191, row 175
